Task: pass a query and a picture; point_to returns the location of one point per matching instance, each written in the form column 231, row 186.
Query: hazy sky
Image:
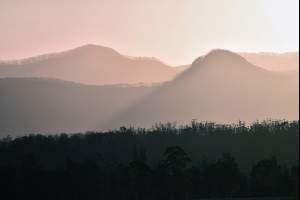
column 175, row 31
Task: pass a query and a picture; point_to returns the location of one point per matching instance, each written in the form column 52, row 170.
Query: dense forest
column 199, row 160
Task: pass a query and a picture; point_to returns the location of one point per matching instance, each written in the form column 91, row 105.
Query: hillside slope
column 221, row 87
column 33, row 105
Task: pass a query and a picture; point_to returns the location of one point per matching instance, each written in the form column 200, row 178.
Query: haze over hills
column 274, row 61
column 220, row 86
column 98, row 65
column 39, row 105
column 93, row 65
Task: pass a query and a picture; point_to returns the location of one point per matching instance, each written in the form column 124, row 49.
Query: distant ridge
column 274, row 61
column 48, row 56
column 93, row 65
column 98, row 65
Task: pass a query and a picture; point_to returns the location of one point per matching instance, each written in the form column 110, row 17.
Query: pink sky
column 176, row 31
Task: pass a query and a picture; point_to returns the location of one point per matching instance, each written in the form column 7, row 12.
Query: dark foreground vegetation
column 200, row 160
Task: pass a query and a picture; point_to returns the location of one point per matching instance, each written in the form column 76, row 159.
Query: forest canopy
column 199, row 160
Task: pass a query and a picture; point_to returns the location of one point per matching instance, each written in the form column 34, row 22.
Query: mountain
column 93, row 65
column 98, row 65
column 274, row 61
column 39, row 105
column 221, row 87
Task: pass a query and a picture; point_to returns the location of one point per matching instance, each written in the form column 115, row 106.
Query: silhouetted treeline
column 200, row 160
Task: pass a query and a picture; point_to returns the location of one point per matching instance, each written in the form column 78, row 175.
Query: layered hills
column 93, row 65
column 220, row 86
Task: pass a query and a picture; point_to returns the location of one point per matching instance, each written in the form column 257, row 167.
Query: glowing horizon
column 175, row 32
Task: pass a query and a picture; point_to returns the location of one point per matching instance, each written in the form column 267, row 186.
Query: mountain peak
column 92, row 48
column 220, row 52
column 219, row 55
column 218, row 62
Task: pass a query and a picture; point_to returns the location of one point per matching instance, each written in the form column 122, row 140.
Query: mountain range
column 92, row 65
column 99, row 65
column 220, row 86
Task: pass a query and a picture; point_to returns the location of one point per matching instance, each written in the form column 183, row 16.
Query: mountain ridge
column 76, row 50
column 99, row 65
column 91, row 64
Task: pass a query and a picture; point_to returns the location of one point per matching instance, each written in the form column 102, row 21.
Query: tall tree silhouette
column 224, row 178
column 175, row 163
column 267, row 178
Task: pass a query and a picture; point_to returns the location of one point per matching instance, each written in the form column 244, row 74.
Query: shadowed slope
column 33, row 105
